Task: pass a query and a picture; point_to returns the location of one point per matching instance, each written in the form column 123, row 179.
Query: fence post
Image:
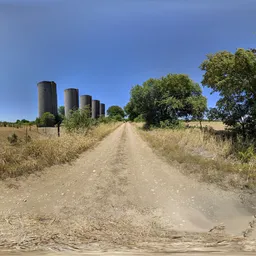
column 58, row 127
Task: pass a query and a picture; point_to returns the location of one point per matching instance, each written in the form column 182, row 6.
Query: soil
column 121, row 197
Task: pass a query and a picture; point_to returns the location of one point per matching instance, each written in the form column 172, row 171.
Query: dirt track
column 120, row 196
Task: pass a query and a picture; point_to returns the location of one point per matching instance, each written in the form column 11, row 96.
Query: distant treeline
column 17, row 124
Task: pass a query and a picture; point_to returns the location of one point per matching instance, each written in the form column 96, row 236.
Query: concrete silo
column 71, row 101
column 95, row 109
column 47, row 98
column 86, row 101
column 102, row 109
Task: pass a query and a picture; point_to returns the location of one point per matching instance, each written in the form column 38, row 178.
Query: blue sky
column 104, row 47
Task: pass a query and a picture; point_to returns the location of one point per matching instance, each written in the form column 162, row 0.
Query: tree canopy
column 115, row 111
column 48, row 119
column 61, row 111
column 233, row 76
column 166, row 99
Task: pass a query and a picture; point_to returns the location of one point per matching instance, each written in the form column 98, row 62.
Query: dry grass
column 42, row 152
column 197, row 152
column 82, row 232
column 217, row 126
column 195, row 142
column 20, row 132
column 33, row 132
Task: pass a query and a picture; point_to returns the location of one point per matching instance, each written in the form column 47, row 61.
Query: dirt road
column 121, row 196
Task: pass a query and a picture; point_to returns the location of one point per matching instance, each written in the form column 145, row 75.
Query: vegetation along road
column 122, row 196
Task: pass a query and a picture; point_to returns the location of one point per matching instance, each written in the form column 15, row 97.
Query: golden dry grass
column 194, row 141
column 20, row 132
column 41, row 152
column 200, row 153
column 217, row 126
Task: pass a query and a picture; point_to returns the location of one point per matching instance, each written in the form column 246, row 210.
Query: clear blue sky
column 104, row 47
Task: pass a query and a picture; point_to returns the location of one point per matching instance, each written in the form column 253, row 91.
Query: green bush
column 48, row 119
column 79, row 120
column 105, row 120
column 246, row 155
column 117, row 117
column 176, row 124
column 139, row 119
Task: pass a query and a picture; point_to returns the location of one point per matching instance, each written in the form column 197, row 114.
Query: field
column 45, row 148
column 211, row 158
column 33, row 132
column 217, row 126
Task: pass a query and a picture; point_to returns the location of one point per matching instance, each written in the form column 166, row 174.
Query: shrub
column 246, row 155
column 48, row 119
column 139, row 119
column 118, row 117
column 172, row 124
column 79, row 120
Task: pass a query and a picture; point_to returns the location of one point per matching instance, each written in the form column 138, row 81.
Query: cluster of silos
column 71, row 101
column 47, row 101
column 86, row 102
column 96, row 108
column 47, row 98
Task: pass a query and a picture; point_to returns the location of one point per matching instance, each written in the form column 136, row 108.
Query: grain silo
column 70, row 100
column 85, row 101
column 102, row 109
column 95, row 109
column 47, row 98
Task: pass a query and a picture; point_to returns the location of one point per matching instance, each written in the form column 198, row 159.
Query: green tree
column 139, row 119
column 115, row 111
column 213, row 114
column 233, row 76
column 130, row 111
column 38, row 121
column 199, row 108
column 118, row 117
column 24, row 121
column 79, row 120
column 61, row 111
column 167, row 99
column 48, row 119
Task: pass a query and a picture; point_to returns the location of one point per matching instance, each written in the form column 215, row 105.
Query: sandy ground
column 121, row 197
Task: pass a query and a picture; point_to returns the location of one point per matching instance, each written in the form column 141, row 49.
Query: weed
column 246, row 155
column 13, row 138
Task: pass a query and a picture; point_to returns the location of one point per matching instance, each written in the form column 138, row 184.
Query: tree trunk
column 200, row 122
column 58, row 129
column 243, row 132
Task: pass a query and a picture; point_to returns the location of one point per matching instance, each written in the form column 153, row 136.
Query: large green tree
column 114, row 111
column 167, row 99
column 130, row 111
column 61, row 111
column 233, row 76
